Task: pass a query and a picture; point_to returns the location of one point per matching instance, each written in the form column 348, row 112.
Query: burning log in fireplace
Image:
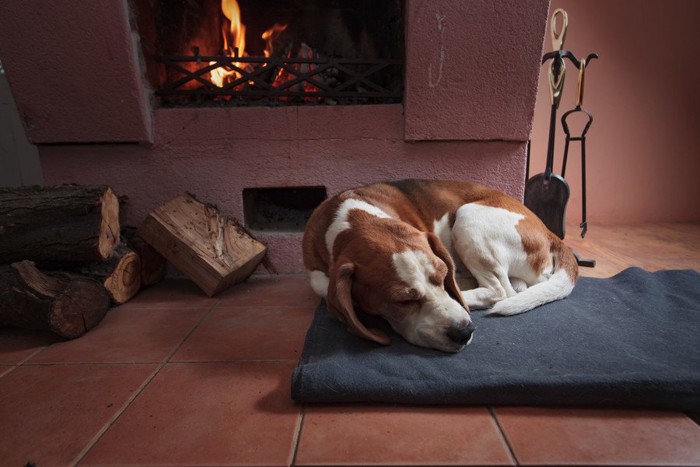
column 298, row 80
column 277, row 51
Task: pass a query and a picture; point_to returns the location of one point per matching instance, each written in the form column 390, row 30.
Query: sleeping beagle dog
column 395, row 249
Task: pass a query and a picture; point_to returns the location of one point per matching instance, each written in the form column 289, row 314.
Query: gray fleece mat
column 630, row 340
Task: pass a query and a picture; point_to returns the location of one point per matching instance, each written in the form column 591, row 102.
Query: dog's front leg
column 488, row 293
column 483, row 239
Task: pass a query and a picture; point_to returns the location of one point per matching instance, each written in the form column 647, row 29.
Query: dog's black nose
column 461, row 335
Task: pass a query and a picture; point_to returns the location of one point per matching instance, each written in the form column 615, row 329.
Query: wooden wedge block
column 213, row 250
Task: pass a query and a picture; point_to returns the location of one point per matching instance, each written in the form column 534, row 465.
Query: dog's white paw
column 481, row 298
column 518, row 285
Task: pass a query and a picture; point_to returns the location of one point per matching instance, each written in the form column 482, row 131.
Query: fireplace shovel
column 546, row 194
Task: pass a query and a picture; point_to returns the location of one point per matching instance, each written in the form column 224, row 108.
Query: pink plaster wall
column 337, row 147
column 643, row 149
column 74, row 71
column 484, row 115
column 470, row 71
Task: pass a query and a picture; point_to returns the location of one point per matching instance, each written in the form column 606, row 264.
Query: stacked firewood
column 64, row 261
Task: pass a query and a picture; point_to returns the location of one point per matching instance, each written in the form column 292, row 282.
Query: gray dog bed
column 631, row 340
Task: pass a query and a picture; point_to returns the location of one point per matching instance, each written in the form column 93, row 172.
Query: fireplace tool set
column 546, row 194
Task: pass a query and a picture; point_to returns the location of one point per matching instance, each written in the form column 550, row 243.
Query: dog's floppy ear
column 340, row 302
column 450, row 280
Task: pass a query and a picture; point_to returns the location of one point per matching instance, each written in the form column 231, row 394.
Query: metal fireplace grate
column 306, row 80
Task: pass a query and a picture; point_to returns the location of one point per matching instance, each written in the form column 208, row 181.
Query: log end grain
column 68, row 305
column 125, row 279
column 79, row 308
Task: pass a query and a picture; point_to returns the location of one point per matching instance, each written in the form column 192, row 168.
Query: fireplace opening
column 280, row 209
column 273, row 52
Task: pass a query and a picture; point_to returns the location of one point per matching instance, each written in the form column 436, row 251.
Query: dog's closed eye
column 407, row 296
column 407, row 303
column 438, row 278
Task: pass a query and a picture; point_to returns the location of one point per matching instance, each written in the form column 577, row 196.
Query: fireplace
column 89, row 82
column 274, row 52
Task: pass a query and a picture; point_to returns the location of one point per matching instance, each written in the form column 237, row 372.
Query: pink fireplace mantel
column 471, row 81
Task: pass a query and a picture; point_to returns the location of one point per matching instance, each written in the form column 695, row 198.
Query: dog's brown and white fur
column 394, row 249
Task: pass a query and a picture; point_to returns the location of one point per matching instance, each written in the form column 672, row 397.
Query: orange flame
column 230, row 8
column 232, row 11
column 270, row 36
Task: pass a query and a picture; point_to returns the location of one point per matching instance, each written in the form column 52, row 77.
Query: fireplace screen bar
column 281, row 80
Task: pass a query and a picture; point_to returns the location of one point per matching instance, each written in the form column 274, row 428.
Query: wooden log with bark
column 213, row 250
column 65, row 304
column 70, row 223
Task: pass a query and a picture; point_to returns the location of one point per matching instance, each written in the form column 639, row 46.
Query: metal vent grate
column 281, row 209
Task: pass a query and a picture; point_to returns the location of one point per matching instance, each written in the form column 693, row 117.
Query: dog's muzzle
column 461, row 335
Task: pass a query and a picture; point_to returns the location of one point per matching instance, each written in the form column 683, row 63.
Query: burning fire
column 232, row 11
column 270, row 36
column 234, row 42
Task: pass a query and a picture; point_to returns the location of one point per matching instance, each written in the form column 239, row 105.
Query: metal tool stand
column 556, row 71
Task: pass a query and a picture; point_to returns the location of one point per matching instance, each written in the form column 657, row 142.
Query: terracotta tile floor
column 176, row 378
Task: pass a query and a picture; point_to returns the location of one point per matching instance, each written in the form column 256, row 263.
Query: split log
column 120, row 274
column 65, row 304
column 153, row 264
column 62, row 223
column 213, row 250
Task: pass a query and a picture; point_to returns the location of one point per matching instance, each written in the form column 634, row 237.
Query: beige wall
column 643, row 149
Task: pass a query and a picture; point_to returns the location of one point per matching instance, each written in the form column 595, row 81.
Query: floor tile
column 17, row 345
column 127, row 335
column 595, row 436
column 206, row 414
column 49, row 414
column 374, row 435
column 248, row 333
column 172, row 293
column 271, row 290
